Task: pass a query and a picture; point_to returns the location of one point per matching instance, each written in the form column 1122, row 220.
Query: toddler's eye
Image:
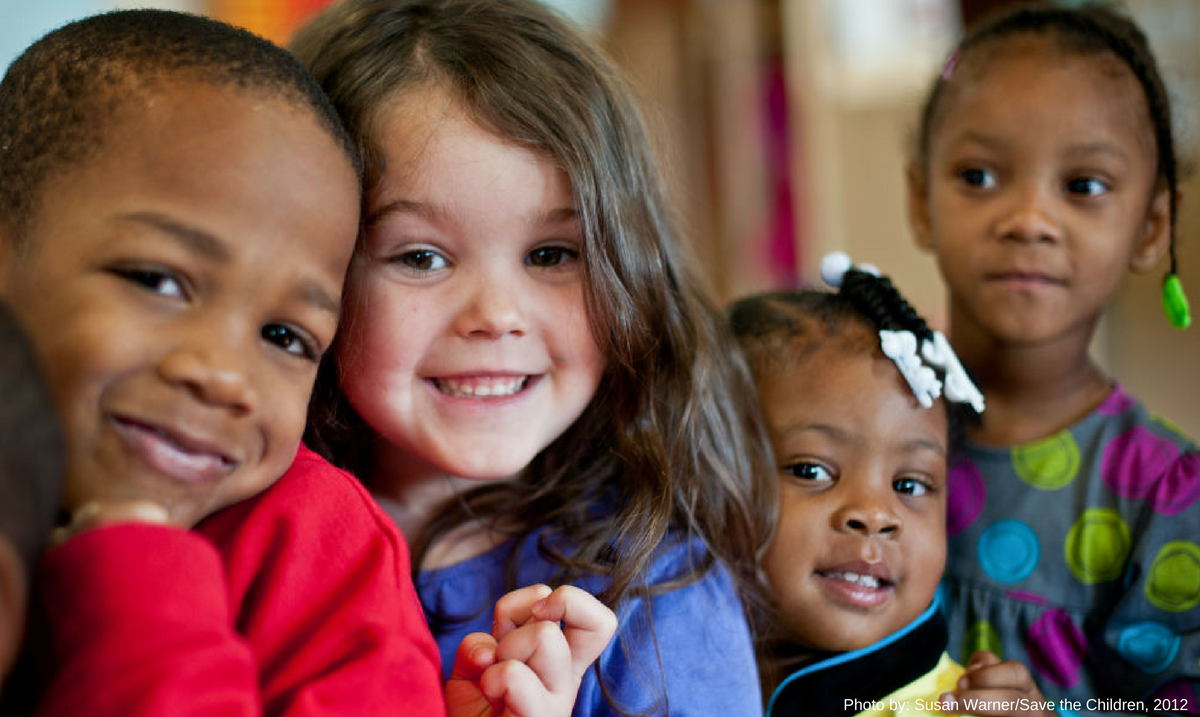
column 808, row 472
column 155, row 280
column 292, row 341
column 421, row 260
column 1087, row 186
column 910, row 486
column 547, row 256
column 979, row 178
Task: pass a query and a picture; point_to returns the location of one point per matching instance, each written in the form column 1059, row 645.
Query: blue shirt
column 698, row 661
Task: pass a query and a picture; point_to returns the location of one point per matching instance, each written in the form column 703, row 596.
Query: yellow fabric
column 920, row 696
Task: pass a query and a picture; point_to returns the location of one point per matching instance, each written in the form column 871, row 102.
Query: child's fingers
column 998, row 702
column 588, row 624
column 475, row 653
column 515, row 608
column 1004, row 675
column 541, row 646
column 96, row 514
column 982, row 658
column 512, row 684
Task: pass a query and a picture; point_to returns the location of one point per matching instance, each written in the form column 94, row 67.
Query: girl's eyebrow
column 911, row 445
column 835, row 433
column 558, row 216
column 407, row 206
column 981, row 139
column 923, row 444
column 1082, row 148
column 1090, row 148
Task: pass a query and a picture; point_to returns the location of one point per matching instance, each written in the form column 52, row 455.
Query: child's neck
column 1032, row 392
column 411, row 493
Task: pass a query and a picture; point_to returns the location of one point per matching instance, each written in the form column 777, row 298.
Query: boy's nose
column 493, row 308
column 215, row 374
column 1029, row 218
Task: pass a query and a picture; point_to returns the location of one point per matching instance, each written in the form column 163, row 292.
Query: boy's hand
column 530, row 666
column 96, row 514
column 988, row 680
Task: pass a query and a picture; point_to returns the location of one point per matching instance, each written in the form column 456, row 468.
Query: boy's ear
column 917, row 189
column 1155, row 237
column 13, row 597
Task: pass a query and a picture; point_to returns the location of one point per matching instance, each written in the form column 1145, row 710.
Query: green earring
column 1175, row 302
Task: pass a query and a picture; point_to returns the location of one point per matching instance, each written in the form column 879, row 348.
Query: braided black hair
column 1085, row 30
column 784, row 328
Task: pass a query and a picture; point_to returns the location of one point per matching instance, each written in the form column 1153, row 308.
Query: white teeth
column 480, row 388
column 868, row 581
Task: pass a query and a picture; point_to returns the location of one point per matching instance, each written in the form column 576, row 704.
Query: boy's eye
column 1087, row 186
column 979, row 178
column 910, row 486
column 808, row 472
column 421, row 260
column 155, row 280
column 292, row 341
column 547, row 256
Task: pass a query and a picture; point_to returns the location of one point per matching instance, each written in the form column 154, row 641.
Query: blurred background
column 785, row 125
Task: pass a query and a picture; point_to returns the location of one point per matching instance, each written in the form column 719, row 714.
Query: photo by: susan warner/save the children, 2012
column 972, row 706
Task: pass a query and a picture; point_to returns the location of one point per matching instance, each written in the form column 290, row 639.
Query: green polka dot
column 1173, row 580
column 981, row 636
column 1048, row 464
column 1097, row 546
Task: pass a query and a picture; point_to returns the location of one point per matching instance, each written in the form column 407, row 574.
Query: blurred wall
column 23, row 21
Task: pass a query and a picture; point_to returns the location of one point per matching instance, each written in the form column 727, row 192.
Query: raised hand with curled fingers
column 531, row 665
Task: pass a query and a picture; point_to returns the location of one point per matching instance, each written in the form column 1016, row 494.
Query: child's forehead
column 171, row 109
column 1090, row 96
column 830, row 378
column 206, row 155
column 1043, row 54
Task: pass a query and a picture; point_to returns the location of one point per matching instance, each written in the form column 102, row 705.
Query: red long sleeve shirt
column 297, row 602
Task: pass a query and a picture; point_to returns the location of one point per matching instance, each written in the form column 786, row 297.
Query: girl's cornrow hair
column 1087, row 29
column 875, row 299
column 880, row 302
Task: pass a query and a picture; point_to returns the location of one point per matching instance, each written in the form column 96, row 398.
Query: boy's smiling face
column 179, row 288
column 862, row 478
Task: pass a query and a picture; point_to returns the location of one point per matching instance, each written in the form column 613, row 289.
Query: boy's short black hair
column 60, row 97
column 32, row 456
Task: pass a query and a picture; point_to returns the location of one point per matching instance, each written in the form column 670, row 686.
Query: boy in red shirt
column 178, row 206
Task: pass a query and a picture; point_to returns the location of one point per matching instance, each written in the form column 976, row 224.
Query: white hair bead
column 834, row 266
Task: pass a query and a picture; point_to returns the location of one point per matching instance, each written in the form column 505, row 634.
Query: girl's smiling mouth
column 858, row 585
column 484, row 387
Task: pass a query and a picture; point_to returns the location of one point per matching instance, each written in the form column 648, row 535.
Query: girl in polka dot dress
column 1045, row 171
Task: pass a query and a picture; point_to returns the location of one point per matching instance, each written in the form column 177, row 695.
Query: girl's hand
column 994, row 688
column 530, row 666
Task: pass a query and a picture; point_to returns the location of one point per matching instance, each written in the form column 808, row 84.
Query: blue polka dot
column 1008, row 551
column 1150, row 646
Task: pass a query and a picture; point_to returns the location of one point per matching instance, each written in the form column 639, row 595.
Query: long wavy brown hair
column 672, row 442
